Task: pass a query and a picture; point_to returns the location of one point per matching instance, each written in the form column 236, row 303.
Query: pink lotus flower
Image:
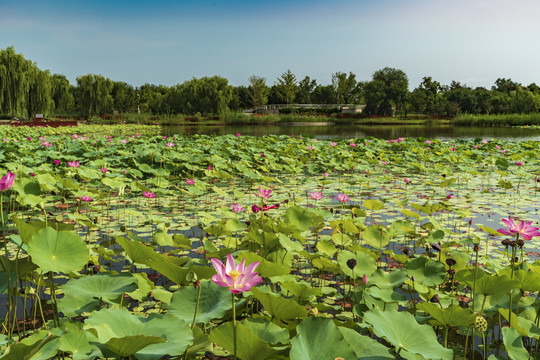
column 384, row 162
column 428, row 142
column 124, row 141
column 75, row 136
column 255, row 208
column 86, row 198
column 7, row 181
column 310, row 148
column 75, row 164
column 264, row 194
column 452, row 149
column 170, row 144
column 364, row 280
column 148, row 194
column 238, row 135
column 519, row 163
column 316, row 195
column 503, row 151
column 343, row 197
column 449, row 196
column 190, row 181
column 56, row 162
column 526, row 230
column 104, row 170
column 237, row 208
column 262, row 154
column 238, row 278
column 333, row 143
column 475, row 146
column 406, row 181
column 352, row 145
column 326, row 174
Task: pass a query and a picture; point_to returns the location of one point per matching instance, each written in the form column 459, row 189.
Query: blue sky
column 168, row 42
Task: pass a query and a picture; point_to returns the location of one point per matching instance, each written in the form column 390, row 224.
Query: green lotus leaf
column 130, row 344
column 300, row 290
column 487, row 284
column 364, row 346
column 36, row 348
column 376, row 236
column 214, row 303
column 104, row 287
column 61, row 252
column 249, row 346
column 320, row 339
column 267, row 331
column 279, row 307
column 119, row 323
column 426, row 271
column 388, row 280
column 265, row 268
column 365, row 264
column 513, row 344
column 402, row 331
column 298, row 218
column 453, row 315
column 372, row 204
column 528, row 281
column 75, row 341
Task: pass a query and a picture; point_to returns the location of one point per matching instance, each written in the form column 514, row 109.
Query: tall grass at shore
column 497, row 120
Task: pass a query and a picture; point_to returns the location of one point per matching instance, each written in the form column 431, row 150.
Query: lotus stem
column 234, row 323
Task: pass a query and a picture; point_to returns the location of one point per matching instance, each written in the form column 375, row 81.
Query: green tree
column 346, row 88
column 287, row 86
column 39, row 91
column 94, row 94
column 396, row 86
column 62, row 94
column 124, row 97
column 306, row 87
column 324, row 94
column 207, row 95
column 258, row 91
column 417, row 101
column 14, row 83
column 505, row 85
column 431, row 89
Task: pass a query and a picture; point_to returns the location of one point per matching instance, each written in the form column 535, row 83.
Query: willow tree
column 39, row 91
column 207, row 95
column 14, row 83
column 62, row 93
column 94, row 94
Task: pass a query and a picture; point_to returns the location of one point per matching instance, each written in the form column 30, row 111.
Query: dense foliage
column 26, row 90
column 366, row 248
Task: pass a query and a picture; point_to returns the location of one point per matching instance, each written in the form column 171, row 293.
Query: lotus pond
column 366, row 248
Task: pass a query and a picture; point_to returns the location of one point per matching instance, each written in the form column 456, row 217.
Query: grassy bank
column 237, row 118
column 497, row 120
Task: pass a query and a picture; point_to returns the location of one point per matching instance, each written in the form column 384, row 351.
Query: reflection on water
column 359, row 131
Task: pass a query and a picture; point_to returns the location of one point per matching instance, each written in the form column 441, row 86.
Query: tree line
column 26, row 90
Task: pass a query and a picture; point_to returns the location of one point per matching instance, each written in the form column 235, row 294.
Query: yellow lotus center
column 234, row 274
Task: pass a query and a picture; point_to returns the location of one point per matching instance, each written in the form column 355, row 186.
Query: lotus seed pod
column 450, row 262
column 480, row 324
column 351, row 263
